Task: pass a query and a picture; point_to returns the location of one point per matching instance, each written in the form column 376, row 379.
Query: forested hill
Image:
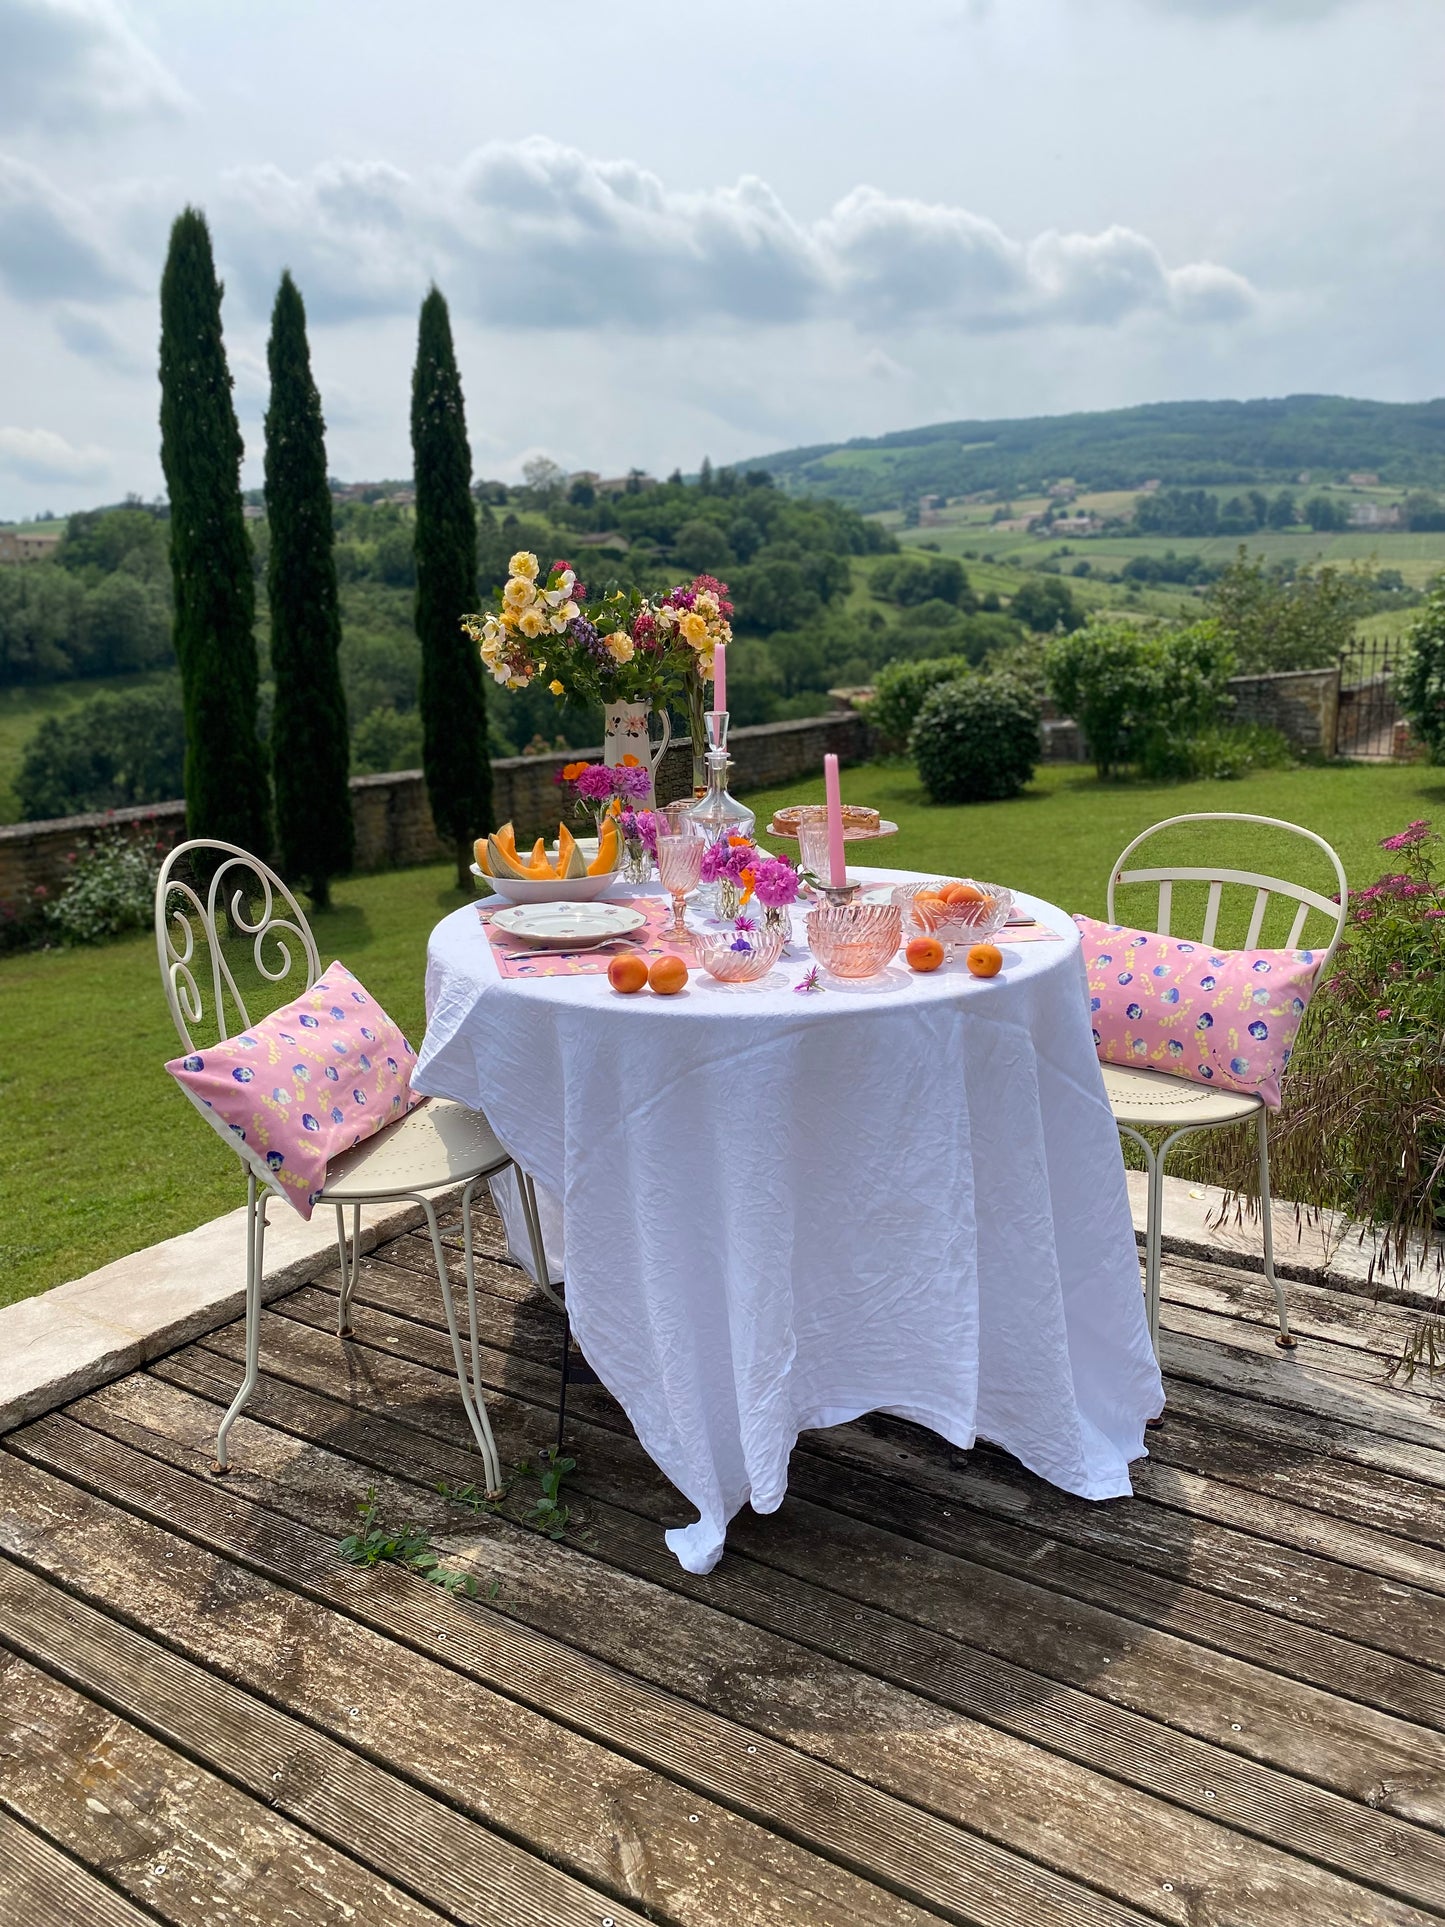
column 1193, row 442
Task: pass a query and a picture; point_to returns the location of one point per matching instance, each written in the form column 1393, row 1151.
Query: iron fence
column 1371, row 726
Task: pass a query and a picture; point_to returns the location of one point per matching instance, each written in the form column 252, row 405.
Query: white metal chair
column 436, row 1146
column 1145, row 1097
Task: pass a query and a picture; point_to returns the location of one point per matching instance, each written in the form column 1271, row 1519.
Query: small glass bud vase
column 728, row 898
column 636, row 864
column 779, row 916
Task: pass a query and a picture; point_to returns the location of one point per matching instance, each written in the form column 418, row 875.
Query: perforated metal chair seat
column 437, row 1144
column 1139, row 1096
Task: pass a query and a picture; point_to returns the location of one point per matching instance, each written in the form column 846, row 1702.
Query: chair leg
column 1153, row 1213
column 255, row 1261
column 348, row 1269
column 475, row 1409
column 528, row 1194
column 1286, row 1339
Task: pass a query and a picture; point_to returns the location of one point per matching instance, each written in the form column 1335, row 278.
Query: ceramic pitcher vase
column 625, row 732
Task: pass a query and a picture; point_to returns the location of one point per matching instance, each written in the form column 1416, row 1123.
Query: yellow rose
column 523, row 563
column 619, row 647
column 518, row 593
column 556, row 688
column 693, row 628
column 531, row 623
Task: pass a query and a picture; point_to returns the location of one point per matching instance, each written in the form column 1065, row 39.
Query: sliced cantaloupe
column 479, row 851
column 566, row 852
column 502, row 861
column 609, row 850
column 505, row 840
column 537, row 864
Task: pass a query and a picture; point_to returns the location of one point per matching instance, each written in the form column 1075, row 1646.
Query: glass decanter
column 717, row 813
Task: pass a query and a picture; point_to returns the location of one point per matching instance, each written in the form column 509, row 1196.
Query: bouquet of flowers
column 532, row 617
column 742, row 871
column 599, row 790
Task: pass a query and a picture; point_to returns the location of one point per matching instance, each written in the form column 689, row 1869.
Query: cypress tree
column 227, row 794
column 453, row 705
column 309, row 746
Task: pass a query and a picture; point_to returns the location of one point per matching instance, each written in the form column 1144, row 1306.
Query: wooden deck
column 930, row 1688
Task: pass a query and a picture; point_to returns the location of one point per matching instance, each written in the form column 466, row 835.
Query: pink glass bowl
column 953, row 923
column 718, row 958
column 855, row 939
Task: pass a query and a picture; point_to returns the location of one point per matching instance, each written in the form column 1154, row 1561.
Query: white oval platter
column 568, row 926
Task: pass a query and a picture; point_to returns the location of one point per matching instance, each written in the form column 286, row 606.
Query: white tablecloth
column 779, row 1210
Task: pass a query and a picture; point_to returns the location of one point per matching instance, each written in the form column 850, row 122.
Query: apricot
column 668, row 975
column 963, row 893
column 923, row 953
column 627, row 973
column 985, row 960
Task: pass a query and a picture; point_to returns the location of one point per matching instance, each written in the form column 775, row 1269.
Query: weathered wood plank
column 1115, row 1838
column 1315, row 1312
column 617, row 1618
column 1357, row 1605
column 42, row 1887
column 329, row 1789
column 1318, row 1367
column 695, row 1845
column 176, row 1839
column 1355, row 1748
column 1290, row 1484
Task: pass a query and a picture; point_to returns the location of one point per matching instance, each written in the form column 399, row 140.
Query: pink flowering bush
column 1362, row 1128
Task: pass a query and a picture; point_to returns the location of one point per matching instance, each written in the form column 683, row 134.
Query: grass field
column 22, row 710
column 101, row 1155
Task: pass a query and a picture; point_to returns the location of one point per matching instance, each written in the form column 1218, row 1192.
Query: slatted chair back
column 220, row 909
column 1217, row 877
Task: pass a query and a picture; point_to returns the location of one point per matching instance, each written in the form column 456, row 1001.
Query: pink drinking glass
column 681, row 845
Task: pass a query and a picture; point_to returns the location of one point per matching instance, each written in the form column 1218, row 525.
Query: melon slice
column 479, row 851
column 570, row 860
column 609, row 850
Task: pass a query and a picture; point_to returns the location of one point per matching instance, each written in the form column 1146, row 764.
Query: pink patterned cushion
column 1223, row 1017
column 322, row 1073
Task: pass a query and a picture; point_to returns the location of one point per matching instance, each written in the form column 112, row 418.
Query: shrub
column 1140, row 695
column 976, row 741
column 1362, row 1128
column 1276, row 621
column 1222, row 751
column 898, row 693
column 105, row 754
column 1422, row 681
column 387, row 740
column 1042, row 605
column 112, row 890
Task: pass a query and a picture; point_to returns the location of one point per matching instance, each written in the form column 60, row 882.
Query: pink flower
column 775, row 882
column 634, row 782
column 1407, row 839
column 595, row 783
column 1382, row 1016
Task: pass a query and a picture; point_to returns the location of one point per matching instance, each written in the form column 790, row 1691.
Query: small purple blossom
column 809, row 980
column 639, row 826
column 1412, row 835
column 744, row 922
column 741, row 943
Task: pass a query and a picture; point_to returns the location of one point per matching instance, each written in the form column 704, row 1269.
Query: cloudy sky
column 724, row 226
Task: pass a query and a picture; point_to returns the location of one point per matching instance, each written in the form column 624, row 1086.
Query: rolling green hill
column 1192, row 443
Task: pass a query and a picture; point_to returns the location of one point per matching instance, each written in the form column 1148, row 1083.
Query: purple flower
column 809, row 981
column 638, row 826
column 632, row 780
column 775, row 882
column 728, row 858
column 594, row 783
column 741, row 943
column 744, row 923
column 1407, row 839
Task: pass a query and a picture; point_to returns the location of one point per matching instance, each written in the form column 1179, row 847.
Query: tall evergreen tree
column 453, row 705
column 227, row 794
column 309, row 747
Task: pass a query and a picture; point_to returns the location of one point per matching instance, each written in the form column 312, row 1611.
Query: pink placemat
column 650, row 942
column 1027, row 933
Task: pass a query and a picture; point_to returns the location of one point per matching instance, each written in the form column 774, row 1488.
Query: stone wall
column 393, row 819
column 1302, row 704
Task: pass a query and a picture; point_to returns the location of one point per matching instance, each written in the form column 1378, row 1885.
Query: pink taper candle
column 720, row 676
column 838, row 869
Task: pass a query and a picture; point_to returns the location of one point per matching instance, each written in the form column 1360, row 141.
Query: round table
column 779, row 1210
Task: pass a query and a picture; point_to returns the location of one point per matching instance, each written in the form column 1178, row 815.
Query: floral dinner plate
column 568, row 926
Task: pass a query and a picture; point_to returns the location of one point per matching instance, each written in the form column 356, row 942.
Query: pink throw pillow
column 322, row 1073
column 1223, row 1017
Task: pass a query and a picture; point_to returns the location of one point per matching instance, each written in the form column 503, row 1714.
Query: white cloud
column 51, row 246
column 68, row 63
column 534, row 235
column 40, row 455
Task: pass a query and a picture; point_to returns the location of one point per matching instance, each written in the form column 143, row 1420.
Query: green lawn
column 101, row 1155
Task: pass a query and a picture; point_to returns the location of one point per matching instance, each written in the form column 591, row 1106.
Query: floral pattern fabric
column 1227, row 1018
column 317, row 1076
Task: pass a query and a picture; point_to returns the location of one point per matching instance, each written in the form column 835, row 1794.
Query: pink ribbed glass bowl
column 953, row 923
column 855, row 939
column 719, row 959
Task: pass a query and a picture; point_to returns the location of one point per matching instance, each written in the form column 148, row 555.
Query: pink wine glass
column 681, row 844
